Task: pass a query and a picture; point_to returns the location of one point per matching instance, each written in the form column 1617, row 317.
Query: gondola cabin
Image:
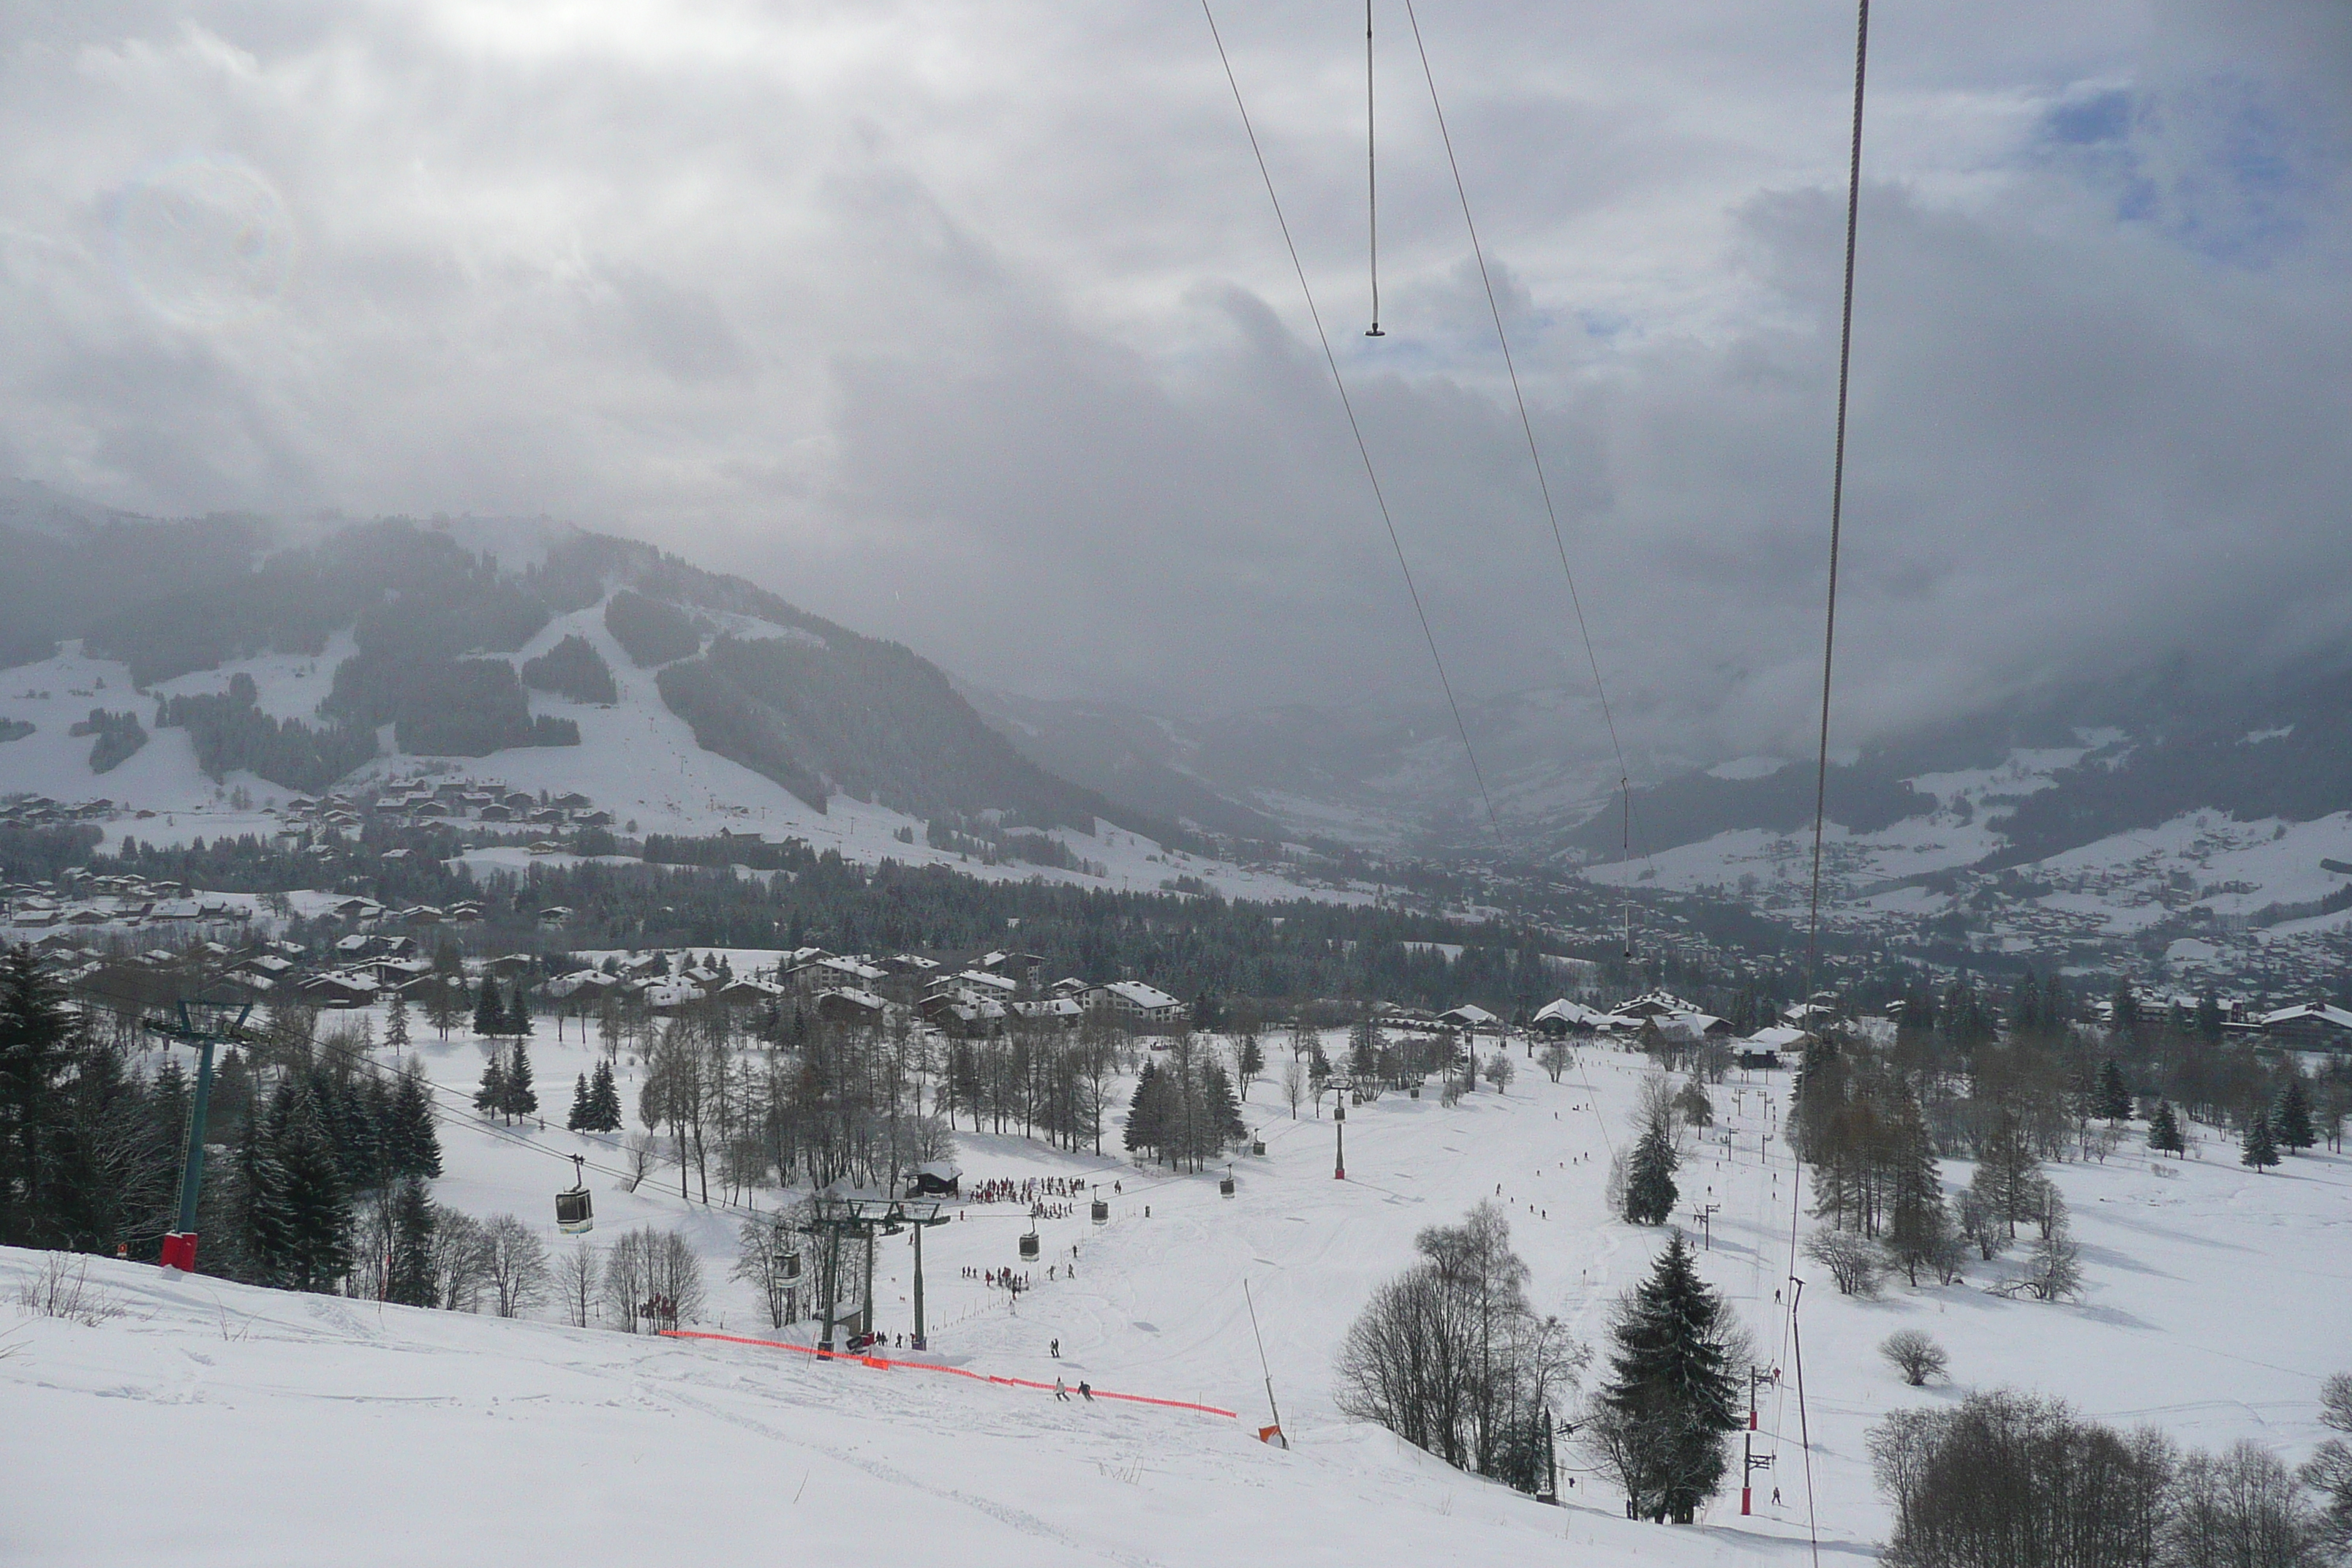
column 1029, row 1248
column 575, row 1212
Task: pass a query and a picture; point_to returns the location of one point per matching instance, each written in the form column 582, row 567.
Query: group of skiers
column 1003, row 1191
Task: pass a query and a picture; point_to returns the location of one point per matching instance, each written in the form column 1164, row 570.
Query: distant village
column 86, row 926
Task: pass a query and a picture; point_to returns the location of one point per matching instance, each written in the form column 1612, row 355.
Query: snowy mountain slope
column 886, row 717
column 407, row 1435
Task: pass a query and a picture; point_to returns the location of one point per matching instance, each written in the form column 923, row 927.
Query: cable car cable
column 1372, row 176
column 1535, row 456
column 1829, row 640
column 1837, row 495
column 1362, row 449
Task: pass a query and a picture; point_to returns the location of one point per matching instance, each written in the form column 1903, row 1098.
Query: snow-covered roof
column 2311, row 1012
column 1135, row 994
column 1776, row 1038
column 1469, row 1013
column 1651, row 1004
column 864, row 1001
column 1568, row 1010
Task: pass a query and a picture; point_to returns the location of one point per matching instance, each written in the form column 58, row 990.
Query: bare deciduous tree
column 515, row 1261
column 2008, row 1480
column 2241, row 1507
column 460, row 1255
column 579, row 1275
column 1916, row 1355
column 1857, row 1264
column 768, row 1258
column 1450, row 1356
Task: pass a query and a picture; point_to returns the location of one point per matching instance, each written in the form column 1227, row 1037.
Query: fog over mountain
column 968, row 327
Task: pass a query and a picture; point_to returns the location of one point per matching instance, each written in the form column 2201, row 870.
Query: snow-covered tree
column 1659, row 1424
column 1650, row 1191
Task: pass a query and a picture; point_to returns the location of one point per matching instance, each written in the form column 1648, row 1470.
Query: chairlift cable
column 1363, row 449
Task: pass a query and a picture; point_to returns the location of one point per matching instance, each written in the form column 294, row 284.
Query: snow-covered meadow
column 219, row 1423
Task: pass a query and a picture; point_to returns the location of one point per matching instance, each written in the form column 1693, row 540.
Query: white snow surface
column 217, row 1424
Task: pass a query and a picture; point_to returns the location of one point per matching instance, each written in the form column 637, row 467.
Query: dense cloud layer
column 968, row 325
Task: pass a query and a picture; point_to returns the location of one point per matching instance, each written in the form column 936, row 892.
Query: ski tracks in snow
column 890, row 1475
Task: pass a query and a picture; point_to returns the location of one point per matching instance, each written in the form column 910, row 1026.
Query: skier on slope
column 1061, row 1391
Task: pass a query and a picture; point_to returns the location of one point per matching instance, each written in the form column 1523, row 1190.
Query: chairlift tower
column 843, row 1212
column 1342, row 1088
column 201, row 1022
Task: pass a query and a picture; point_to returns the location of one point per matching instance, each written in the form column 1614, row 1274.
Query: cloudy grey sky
column 968, row 324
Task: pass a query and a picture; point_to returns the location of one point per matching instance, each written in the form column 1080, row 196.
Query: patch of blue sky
column 2227, row 168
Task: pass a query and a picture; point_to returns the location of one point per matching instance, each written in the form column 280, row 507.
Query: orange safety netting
column 884, row 1364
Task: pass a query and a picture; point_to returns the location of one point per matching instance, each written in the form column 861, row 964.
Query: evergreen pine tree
column 582, row 1106
column 2259, row 1147
column 413, row 1148
column 489, row 1018
column 2114, row 1100
column 1250, row 1061
column 444, row 1002
column 396, row 1023
column 1221, row 1118
column 1919, row 1228
column 2009, row 1173
column 353, row 1129
column 605, row 1096
column 34, row 1033
column 2291, row 1118
column 1673, row 1393
column 1650, row 1190
column 408, row 1278
column 2209, row 1018
column 1147, row 1112
column 1364, row 1049
column 490, row 1099
column 521, row 1098
column 2164, row 1130
column 264, row 1223
column 517, row 1012
column 318, row 1208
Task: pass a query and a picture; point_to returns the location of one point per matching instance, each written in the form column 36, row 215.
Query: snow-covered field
column 216, row 1423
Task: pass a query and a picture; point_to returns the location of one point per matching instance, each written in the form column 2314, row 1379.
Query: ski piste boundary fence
column 884, row 1363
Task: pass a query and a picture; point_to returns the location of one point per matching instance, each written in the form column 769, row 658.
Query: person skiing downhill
column 1061, row 1391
